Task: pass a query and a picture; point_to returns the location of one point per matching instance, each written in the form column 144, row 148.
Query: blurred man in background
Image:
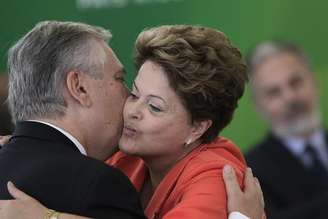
column 291, row 162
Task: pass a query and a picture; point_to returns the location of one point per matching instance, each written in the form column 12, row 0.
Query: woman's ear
column 199, row 128
column 78, row 87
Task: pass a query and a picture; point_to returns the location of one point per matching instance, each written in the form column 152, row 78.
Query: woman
column 189, row 81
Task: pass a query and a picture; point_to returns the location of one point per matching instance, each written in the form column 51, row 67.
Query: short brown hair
column 202, row 67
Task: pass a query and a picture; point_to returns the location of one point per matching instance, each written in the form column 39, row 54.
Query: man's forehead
column 280, row 67
column 113, row 60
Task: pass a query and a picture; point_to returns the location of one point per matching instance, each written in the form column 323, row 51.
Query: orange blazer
column 194, row 187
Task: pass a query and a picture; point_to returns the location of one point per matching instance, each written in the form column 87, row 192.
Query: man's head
column 64, row 72
column 284, row 88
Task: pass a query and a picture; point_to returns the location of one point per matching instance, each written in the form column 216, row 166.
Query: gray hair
column 267, row 49
column 39, row 62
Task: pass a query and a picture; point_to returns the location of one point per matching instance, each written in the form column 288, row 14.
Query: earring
column 186, row 144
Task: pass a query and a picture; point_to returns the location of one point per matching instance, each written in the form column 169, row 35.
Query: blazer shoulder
column 264, row 153
column 107, row 188
column 95, row 169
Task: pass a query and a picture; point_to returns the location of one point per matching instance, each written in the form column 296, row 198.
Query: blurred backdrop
column 245, row 23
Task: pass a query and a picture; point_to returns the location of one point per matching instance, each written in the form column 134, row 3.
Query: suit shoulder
column 95, row 167
column 259, row 149
column 108, row 187
column 263, row 155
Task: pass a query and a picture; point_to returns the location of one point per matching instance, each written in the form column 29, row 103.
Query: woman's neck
column 159, row 166
column 152, row 180
column 157, row 170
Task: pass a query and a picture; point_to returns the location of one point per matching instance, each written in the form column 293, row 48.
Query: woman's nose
column 135, row 110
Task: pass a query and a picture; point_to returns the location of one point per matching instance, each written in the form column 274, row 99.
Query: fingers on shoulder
column 230, row 180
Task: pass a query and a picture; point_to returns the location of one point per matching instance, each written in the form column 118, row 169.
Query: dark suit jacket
column 290, row 190
column 47, row 165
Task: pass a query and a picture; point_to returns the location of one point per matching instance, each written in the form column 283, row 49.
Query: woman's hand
column 4, row 139
column 22, row 206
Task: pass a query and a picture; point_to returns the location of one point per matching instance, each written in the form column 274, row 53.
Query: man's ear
column 199, row 128
column 77, row 85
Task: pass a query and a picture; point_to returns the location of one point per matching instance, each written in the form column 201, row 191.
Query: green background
column 246, row 22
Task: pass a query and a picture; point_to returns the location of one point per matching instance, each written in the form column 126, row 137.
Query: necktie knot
column 311, row 152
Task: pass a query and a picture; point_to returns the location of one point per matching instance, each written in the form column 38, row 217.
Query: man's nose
column 289, row 95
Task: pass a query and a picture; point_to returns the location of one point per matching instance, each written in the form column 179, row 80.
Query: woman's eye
column 154, row 108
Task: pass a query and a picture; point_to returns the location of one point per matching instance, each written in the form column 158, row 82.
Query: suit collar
column 41, row 131
column 297, row 145
column 277, row 149
column 67, row 134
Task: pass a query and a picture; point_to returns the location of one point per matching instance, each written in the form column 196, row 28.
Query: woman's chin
column 128, row 147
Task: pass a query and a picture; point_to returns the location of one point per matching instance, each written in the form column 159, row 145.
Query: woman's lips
column 129, row 131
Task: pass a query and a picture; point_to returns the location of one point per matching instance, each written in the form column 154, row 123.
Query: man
column 60, row 77
column 292, row 161
column 66, row 85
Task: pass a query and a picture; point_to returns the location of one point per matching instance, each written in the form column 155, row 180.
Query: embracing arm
column 248, row 202
column 99, row 192
column 26, row 207
column 4, row 139
column 23, row 205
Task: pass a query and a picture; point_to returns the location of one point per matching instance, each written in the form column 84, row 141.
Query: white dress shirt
column 237, row 215
column 68, row 135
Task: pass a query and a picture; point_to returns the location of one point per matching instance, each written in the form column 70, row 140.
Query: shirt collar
column 68, row 135
column 297, row 145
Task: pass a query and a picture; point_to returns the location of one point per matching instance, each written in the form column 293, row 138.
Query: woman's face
column 156, row 124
